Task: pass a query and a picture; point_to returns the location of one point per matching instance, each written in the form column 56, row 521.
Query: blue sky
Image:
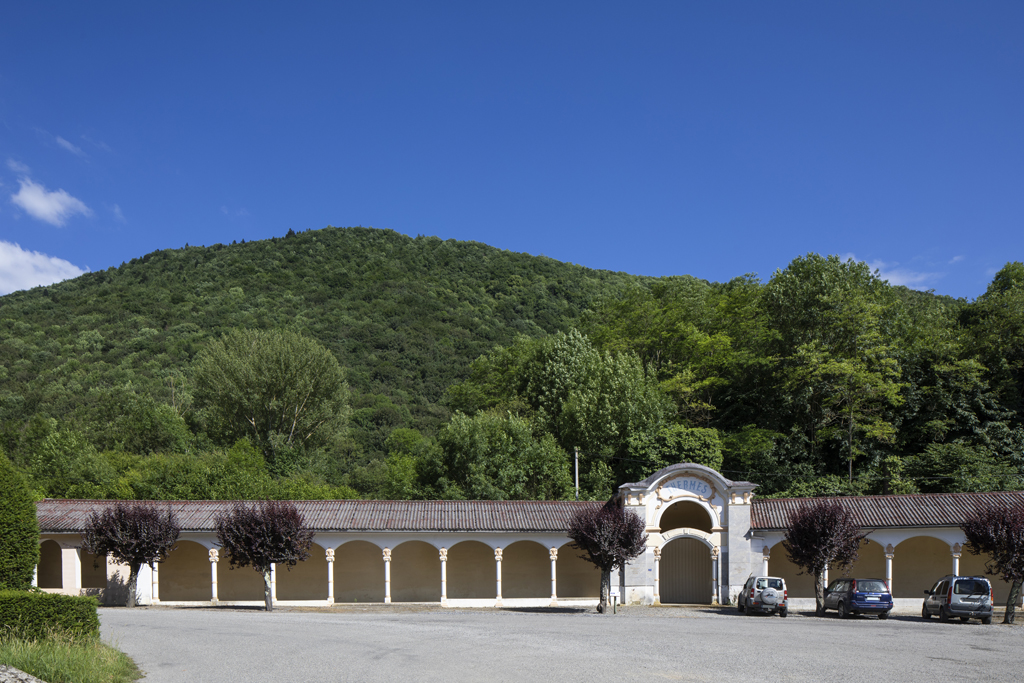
column 658, row 138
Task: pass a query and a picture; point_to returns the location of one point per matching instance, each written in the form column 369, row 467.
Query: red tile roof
column 56, row 516
column 879, row 512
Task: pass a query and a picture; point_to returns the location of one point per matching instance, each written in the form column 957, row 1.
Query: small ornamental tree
column 19, row 531
column 609, row 537
column 263, row 534
column 998, row 532
column 133, row 534
column 822, row 534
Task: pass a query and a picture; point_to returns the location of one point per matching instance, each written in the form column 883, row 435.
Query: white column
column 35, row 576
column 214, row 557
column 553, row 553
column 657, row 576
column 715, row 551
column 273, row 583
column 330, row 576
column 156, row 583
column 387, row 576
column 824, row 578
column 889, row 553
column 497, row 564
column 71, row 570
column 955, row 552
column 766, row 553
column 443, row 554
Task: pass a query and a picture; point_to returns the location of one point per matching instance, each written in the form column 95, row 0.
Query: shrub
column 19, row 531
column 37, row 616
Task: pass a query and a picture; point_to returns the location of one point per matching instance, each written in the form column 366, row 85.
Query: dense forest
column 361, row 362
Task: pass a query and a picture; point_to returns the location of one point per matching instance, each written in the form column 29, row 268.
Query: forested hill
column 404, row 316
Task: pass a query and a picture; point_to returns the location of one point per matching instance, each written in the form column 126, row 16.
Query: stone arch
column 185, row 575
column 49, row 572
column 470, row 571
column 358, row 572
column 525, row 570
column 687, row 513
column 415, row 572
column 918, row 563
column 686, row 571
column 576, row 577
column 307, row 580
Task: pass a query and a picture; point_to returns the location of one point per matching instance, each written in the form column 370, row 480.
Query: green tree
column 279, row 389
column 996, row 324
column 19, row 540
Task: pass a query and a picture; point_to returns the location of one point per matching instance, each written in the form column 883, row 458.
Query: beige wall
column 471, row 572
column 233, row 583
column 49, row 571
column 94, row 570
column 917, row 563
column 685, row 514
column 798, row 585
column 359, row 573
column 306, row 580
column 415, row 573
column 185, row 575
column 974, row 565
column 525, row 571
column 577, row 578
column 870, row 563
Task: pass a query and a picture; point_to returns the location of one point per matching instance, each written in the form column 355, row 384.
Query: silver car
column 959, row 596
column 764, row 595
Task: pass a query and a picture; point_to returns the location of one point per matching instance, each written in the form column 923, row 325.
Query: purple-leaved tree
column 133, row 534
column 998, row 532
column 609, row 537
column 263, row 534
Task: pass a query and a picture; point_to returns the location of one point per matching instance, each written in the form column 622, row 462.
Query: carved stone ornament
column 766, row 552
column 715, row 550
column 443, row 554
column 889, row 551
column 666, row 492
column 657, row 553
column 330, row 554
column 214, row 555
column 497, row 554
column 553, row 554
column 957, row 548
column 387, row 554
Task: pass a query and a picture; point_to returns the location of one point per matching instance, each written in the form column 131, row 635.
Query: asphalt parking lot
column 427, row 643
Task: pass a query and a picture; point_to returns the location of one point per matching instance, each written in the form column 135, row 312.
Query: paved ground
column 421, row 643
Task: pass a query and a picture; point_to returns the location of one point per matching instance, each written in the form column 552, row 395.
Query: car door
column 939, row 589
column 830, row 596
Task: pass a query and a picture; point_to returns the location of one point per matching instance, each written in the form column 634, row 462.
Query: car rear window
column 871, row 587
column 775, row 583
column 970, row 586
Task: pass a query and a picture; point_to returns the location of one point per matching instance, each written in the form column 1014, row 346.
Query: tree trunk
column 1011, row 602
column 819, row 595
column 606, row 582
column 268, row 599
column 133, row 582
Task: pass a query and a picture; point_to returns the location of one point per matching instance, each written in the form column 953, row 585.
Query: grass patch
column 69, row 659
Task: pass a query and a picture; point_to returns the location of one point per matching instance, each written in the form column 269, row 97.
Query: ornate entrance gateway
column 686, row 572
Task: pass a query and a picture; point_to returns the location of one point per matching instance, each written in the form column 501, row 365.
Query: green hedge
column 19, row 533
column 36, row 616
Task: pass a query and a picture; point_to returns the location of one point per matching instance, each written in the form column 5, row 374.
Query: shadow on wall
column 116, row 592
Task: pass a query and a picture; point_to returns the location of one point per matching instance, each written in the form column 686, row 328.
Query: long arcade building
column 706, row 535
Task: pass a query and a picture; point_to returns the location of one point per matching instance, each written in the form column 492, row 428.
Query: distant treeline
column 471, row 372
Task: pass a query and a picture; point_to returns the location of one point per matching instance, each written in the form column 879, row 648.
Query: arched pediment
column 683, row 479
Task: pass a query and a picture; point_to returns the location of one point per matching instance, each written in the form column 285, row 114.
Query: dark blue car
column 859, row 596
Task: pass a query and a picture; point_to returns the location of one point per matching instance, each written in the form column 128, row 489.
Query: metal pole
column 577, row 450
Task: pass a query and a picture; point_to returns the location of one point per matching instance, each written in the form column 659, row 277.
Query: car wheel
column 883, row 615
column 925, row 614
column 943, row 616
column 965, row 619
column 739, row 607
column 986, row 620
column 784, row 612
column 843, row 614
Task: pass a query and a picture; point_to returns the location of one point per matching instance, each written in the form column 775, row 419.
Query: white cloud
column 118, row 214
column 53, row 207
column 896, row 276
column 957, row 259
column 74, row 149
column 18, row 167
column 21, row 269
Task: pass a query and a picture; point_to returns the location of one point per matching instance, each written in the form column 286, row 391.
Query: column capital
column 330, row 554
column 553, row 553
column 766, row 552
column 387, row 554
column 956, row 550
column 443, row 554
column 497, row 554
column 214, row 555
column 715, row 551
column 657, row 553
column 890, row 552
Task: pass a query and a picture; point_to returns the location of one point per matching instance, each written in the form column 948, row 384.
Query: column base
column 554, row 602
column 214, row 602
column 497, row 603
column 387, row 601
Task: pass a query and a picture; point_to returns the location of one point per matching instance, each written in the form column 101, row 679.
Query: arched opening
column 870, row 562
column 415, row 573
column 185, row 574
column 49, row 573
column 94, row 570
column 306, row 580
column 358, row 572
column 576, row 577
column 237, row 584
column 525, row 571
column 917, row 564
column 470, row 571
column 799, row 585
column 685, row 572
column 685, row 514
